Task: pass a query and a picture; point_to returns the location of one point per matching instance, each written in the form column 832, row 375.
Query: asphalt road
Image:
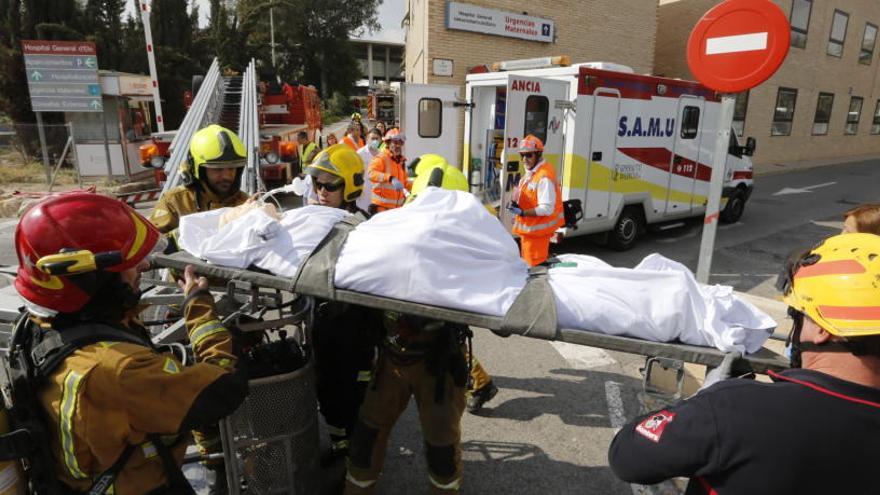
column 548, row 429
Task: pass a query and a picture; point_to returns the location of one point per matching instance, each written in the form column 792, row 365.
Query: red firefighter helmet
column 72, row 234
column 531, row 144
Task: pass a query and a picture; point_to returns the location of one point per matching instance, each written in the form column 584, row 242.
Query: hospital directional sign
column 62, row 76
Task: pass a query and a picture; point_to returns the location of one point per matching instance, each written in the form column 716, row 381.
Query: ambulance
column 631, row 151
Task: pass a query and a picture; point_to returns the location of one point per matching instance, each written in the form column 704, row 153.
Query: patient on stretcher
column 444, row 249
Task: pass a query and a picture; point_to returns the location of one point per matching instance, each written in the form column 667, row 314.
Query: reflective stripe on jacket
column 540, row 226
column 382, row 169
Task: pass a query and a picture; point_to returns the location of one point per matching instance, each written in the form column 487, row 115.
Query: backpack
column 34, row 354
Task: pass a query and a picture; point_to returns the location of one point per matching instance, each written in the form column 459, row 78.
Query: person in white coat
column 367, row 152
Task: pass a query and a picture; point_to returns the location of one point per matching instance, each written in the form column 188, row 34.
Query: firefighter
column 345, row 334
column 115, row 404
column 537, row 203
column 306, row 149
column 388, row 174
column 481, row 389
column 212, row 178
column 353, row 137
column 423, row 359
column 815, row 430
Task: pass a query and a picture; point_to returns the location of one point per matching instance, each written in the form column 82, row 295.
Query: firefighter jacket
column 807, row 433
column 527, row 199
column 109, row 395
column 382, row 169
column 183, row 200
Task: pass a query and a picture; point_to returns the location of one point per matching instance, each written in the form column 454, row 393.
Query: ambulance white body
column 635, row 150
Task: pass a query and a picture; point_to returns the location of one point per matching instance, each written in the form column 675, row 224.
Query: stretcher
column 525, row 318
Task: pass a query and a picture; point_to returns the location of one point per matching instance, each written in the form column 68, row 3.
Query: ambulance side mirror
column 749, row 148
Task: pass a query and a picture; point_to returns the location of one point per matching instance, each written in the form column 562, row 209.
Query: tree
column 311, row 38
column 102, row 21
column 176, row 61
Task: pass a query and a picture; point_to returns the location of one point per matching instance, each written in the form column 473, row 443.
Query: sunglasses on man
column 527, row 155
column 329, row 187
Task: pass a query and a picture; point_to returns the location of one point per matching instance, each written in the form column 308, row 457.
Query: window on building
column 430, row 117
column 800, row 22
column 739, row 113
column 537, row 114
column 823, row 114
column 875, row 125
column 838, row 33
column 690, row 122
column 869, row 39
column 784, row 112
column 853, row 115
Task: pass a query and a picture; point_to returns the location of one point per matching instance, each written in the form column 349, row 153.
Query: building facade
column 824, row 102
column 439, row 50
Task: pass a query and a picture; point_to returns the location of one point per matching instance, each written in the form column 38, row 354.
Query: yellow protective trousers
column 387, row 397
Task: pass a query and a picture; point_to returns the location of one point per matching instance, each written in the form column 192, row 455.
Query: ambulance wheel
column 736, row 205
column 626, row 231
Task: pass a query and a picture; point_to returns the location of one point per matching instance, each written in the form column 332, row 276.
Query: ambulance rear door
column 531, row 109
column 430, row 120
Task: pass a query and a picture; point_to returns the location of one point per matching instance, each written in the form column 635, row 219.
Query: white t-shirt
column 546, row 192
column 367, row 156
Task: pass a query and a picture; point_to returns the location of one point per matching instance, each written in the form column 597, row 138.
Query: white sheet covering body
column 445, row 249
column 658, row 300
column 258, row 239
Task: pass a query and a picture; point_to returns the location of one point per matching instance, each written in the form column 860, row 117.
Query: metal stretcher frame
column 760, row 362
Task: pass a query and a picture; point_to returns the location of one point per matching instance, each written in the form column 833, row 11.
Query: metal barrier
column 271, row 442
column 249, row 130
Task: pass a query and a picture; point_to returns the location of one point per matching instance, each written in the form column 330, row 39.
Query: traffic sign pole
column 713, row 204
column 42, row 134
column 735, row 46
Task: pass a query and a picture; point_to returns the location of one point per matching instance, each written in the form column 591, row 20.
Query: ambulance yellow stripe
column 600, row 179
column 69, row 399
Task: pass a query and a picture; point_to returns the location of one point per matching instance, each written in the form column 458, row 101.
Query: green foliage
column 311, row 43
column 337, row 108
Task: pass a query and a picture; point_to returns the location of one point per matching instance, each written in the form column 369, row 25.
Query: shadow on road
column 577, row 397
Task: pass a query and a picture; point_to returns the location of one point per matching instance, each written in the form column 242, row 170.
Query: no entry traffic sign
column 738, row 45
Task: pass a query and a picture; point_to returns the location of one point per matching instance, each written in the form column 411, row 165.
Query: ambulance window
column 690, row 122
column 537, row 111
column 430, row 117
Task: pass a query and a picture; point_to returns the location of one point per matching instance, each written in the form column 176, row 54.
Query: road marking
column 801, row 190
column 735, row 44
column 834, row 224
column 616, row 415
column 581, row 357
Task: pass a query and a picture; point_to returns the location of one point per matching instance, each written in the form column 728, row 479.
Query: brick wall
column 809, row 70
column 619, row 31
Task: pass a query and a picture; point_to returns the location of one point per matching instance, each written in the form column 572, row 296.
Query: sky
column 390, row 14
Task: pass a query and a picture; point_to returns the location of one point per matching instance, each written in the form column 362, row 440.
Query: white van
column 634, row 150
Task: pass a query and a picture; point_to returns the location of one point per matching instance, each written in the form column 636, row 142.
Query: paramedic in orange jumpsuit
column 537, row 203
